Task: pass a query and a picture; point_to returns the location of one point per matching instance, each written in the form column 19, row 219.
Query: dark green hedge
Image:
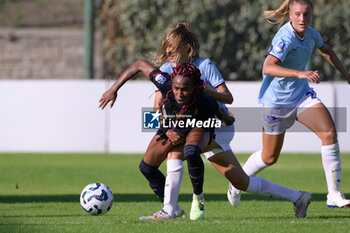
column 234, row 34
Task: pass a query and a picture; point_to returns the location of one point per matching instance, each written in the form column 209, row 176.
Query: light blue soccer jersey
column 294, row 53
column 210, row 73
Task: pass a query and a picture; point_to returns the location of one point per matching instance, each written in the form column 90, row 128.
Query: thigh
column 198, row 137
column 223, row 138
column 318, row 119
column 157, row 151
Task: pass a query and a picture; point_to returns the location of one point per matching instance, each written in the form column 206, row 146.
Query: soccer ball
column 96, row 199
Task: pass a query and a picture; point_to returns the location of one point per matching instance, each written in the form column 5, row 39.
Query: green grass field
column 40, row 193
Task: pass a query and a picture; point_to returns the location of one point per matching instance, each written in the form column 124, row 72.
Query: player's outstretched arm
column 333, row 59
column 111, row 94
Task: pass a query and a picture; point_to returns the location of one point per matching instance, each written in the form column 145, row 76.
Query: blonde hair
column 175, row 39
column 281, row 14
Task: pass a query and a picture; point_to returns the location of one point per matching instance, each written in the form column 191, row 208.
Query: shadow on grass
column 133, row 197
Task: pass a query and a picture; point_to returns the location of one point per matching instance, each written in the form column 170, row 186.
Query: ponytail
column 179, row 36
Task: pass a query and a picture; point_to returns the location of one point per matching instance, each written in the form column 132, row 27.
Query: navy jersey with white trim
column 204, row 107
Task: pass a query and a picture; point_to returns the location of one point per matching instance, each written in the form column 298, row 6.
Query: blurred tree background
column 232, row 33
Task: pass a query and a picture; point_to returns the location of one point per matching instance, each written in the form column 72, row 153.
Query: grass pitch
column 40, row 193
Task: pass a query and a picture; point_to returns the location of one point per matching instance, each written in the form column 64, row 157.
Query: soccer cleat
column 197, row 208
column 300, row 206
column 160, row 215
column 233, row 195
column 337, row 200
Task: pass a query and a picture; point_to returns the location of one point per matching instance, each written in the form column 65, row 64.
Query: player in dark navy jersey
column 198, row 106
column 182, row 94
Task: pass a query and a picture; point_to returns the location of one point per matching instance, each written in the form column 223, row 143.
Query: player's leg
column 196, row 140
column 155, row 154
column 275, row 122
column 173, row 181
column 171, row 208
column 318, row 119
column 227, row 164
column 272, row 145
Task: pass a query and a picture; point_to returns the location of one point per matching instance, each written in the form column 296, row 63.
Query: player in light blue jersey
column 286, row 96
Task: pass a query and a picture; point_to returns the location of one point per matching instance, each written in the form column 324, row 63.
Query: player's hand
column 312, row 76
column 175, row 138
column 108, row 96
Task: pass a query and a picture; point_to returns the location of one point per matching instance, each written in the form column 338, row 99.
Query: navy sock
column 195, row 167
column 155, row 178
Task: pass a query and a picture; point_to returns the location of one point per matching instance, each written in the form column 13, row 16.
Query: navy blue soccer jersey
column 203, row 108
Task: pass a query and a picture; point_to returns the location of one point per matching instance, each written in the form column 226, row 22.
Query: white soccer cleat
column 160, row 215
column 197, row 208
column 233, row 195
column 337, row 200
column 300, row 206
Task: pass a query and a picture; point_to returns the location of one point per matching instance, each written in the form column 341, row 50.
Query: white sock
column 266, row 188
column 173, row 180
column 254, row 164
column 198, row 196
column 332, row 166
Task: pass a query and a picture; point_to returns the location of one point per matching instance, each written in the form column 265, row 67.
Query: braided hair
column 187, row 70
column 190, row 71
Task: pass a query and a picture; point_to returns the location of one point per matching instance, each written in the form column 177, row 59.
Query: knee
column 145, row 168
column 329, row 137
column 270, row 159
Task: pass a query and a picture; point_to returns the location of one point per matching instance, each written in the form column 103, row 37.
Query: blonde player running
column 286, row 96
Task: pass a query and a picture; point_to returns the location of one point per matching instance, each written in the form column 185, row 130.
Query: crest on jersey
column 160, row 79
column 279, row 48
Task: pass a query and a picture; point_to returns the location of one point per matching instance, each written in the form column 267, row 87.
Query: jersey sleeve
column 211, row 74
column 280, row 47
column 162, row 80
column 167, row 68
column 318, row 39
column 207, row 107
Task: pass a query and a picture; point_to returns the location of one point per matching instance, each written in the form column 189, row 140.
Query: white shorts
column 277, row 120
column 223, row 137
